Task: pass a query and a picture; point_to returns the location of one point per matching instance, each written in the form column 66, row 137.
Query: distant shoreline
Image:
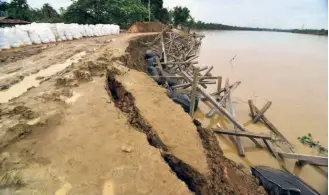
column 285, row 31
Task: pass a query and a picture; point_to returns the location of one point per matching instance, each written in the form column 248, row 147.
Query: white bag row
column 37, row 33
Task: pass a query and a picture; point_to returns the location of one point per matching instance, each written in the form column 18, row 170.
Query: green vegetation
column 123, row 13
column 309, row 141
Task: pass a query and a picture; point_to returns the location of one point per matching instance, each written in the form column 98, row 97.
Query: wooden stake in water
column 194, row 88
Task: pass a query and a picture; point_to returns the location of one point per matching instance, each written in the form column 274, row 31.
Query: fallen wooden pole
column 207, row 82
column 181, row 85
column 212, row 111
column 203, row 68
column 194, row 88
column 181, row 77
column 213, row 101
column 238, row 140
column 208, row 71
column 242, row 133
column 315, row 160
column 176, row 63
column 262, row 111
column 271, row 149
column 270, row 125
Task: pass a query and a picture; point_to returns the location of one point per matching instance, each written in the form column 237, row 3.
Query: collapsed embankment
column 192, row 152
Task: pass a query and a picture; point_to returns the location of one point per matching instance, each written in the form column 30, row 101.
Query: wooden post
column 219, row 84
column 262, row 111
column 159, row 69
column 163, row 50
column 251, row 107
column 194, row 88
column 226, row 91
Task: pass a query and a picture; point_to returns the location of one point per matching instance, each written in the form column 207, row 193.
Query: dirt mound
column 135, row 53
column 139, row 27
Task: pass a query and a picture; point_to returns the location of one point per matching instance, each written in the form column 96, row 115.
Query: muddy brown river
column 288, row 69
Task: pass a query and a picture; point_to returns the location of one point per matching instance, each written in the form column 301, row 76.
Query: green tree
column 181, row 15
column 49, row 13
column 158, row 13
column 3, row 7
column 19, row 9
column 122, row 12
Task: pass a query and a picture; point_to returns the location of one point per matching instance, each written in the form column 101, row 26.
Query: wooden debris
column 251, row 107
column 309, row 159
column 232, row 111
column 262, row 111
column 194, row 88
column 270, row 125
column 213, row 101
column 242, row 133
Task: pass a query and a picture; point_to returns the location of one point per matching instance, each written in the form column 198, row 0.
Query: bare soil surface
column 68, row 136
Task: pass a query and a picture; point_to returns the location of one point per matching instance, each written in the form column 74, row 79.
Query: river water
column 288, row 69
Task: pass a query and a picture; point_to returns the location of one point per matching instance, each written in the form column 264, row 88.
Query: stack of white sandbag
column 37, row 33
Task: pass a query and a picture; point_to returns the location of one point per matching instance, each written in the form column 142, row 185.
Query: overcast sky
column 252, row 13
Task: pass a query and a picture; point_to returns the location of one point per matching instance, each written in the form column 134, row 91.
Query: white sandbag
column 3, row 41
column 54, row 30
column 61, row 31
column 67, row 32
column 12, row 37
column 24, row 36
column 42, row 31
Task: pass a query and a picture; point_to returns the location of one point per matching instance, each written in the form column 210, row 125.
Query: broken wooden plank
column 194, row 88
column 315, row 160
column 262, row 111
column 242, row 133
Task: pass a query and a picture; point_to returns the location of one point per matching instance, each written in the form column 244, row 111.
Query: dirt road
column 68, row 136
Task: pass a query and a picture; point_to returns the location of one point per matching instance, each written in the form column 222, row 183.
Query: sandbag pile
column 37, row 33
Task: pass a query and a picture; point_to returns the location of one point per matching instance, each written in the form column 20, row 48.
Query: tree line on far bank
column 121, row 12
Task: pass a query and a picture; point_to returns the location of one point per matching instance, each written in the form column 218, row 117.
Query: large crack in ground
column 125, row 101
